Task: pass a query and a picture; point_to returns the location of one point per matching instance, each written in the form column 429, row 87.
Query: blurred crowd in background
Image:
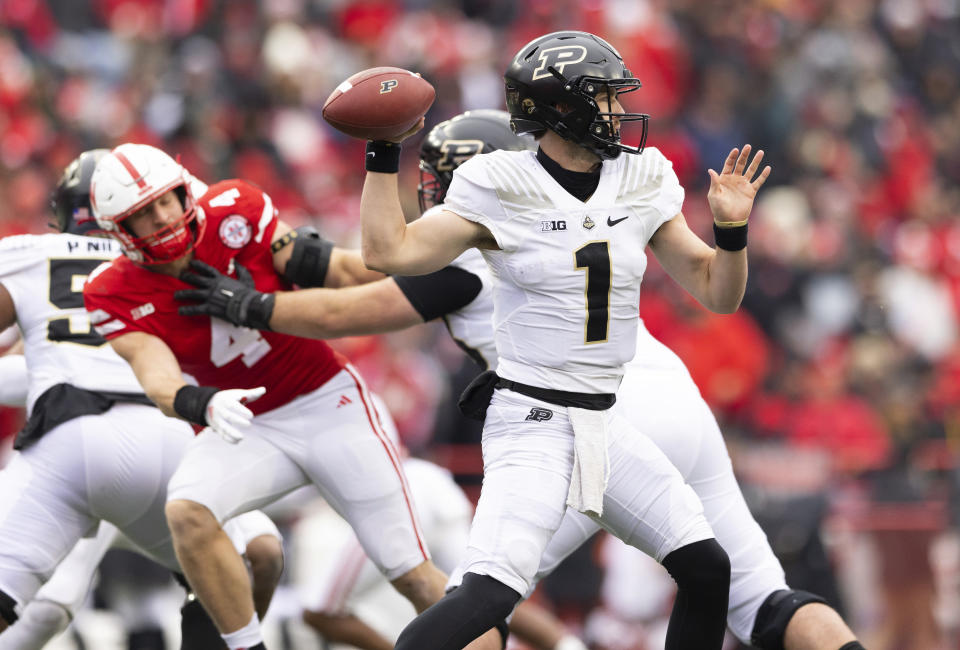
column 837, row 383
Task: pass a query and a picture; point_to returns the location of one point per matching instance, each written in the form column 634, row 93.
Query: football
column 378, row 103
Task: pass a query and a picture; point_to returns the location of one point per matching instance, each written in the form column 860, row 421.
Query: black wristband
column 190, row 403
column 730, row 239
column 259, row 310
column 383, row 156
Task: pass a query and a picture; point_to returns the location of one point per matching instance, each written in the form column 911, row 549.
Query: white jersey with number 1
column 567, row 277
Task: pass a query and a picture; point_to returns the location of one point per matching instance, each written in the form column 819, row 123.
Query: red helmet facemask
column 173, row 241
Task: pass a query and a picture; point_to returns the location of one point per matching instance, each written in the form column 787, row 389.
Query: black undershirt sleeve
column 439, row 293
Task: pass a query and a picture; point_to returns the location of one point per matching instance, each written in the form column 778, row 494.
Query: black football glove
column 220, row 296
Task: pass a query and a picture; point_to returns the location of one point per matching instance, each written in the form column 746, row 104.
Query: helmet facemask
column 133, row 177
column 433, row 185
column 579, row 118
column 168, row 243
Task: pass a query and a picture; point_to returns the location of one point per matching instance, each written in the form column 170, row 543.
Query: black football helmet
column 70, row 200
column 552, row 83
column 451, row 143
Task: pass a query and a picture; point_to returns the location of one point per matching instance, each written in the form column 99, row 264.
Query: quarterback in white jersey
column 657, row 396
column 94, row 448
column 545, row 224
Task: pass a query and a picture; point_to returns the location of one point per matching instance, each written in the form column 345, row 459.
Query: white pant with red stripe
column 333, row 438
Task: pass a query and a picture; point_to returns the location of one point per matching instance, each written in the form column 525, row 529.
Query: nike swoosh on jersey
column 613, row 222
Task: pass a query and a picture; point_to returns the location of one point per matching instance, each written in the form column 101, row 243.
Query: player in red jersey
column 310, row 417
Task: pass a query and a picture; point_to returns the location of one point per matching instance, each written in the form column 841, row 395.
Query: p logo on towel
column 538, row 414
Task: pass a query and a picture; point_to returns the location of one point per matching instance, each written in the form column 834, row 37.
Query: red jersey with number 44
column 123, row 297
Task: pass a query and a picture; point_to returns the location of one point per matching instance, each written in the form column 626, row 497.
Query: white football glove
column 226, row 413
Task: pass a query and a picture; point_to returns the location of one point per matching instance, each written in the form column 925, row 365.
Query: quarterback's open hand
column 226, row 413
column 220, row 296
column 732, row 191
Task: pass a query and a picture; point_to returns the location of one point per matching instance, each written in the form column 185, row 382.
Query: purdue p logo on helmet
column 558, row 57
column 553, row 82
column 451, row 143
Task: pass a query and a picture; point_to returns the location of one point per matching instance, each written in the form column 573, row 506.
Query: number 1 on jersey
column 595, row 258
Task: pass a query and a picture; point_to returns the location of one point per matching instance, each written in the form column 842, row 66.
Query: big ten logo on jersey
column 538, row 414
column 553, row 225
column 558, row 58
column 455, row 152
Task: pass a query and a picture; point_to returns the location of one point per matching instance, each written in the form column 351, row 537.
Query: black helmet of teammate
column 552, row 82
column 451, row 143
column 71, row 198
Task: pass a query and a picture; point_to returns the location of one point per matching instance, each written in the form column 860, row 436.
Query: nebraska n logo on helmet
column 553, row 83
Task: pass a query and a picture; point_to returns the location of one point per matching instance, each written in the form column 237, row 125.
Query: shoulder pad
column 236, row 199
column 18, row 252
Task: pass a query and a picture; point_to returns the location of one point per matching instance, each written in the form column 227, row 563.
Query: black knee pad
column 479, row 604
column 487, row 594
column 502, row 627
column 774, row 615
column 700, row 565
column 198, row 631
column 8, row 608
column 147, row 639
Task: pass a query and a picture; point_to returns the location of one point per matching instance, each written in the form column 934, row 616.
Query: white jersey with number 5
column 567, row 277
column 44, row 275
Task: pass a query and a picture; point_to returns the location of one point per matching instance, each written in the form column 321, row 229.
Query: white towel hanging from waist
column 591, row 465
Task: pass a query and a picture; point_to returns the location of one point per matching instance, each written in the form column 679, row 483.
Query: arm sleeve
column 441, row 292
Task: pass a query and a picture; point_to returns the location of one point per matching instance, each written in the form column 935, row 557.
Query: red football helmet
column 131, row 177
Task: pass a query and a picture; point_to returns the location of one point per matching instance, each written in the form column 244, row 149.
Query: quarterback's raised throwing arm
column 428, row 244
column 714, row 276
